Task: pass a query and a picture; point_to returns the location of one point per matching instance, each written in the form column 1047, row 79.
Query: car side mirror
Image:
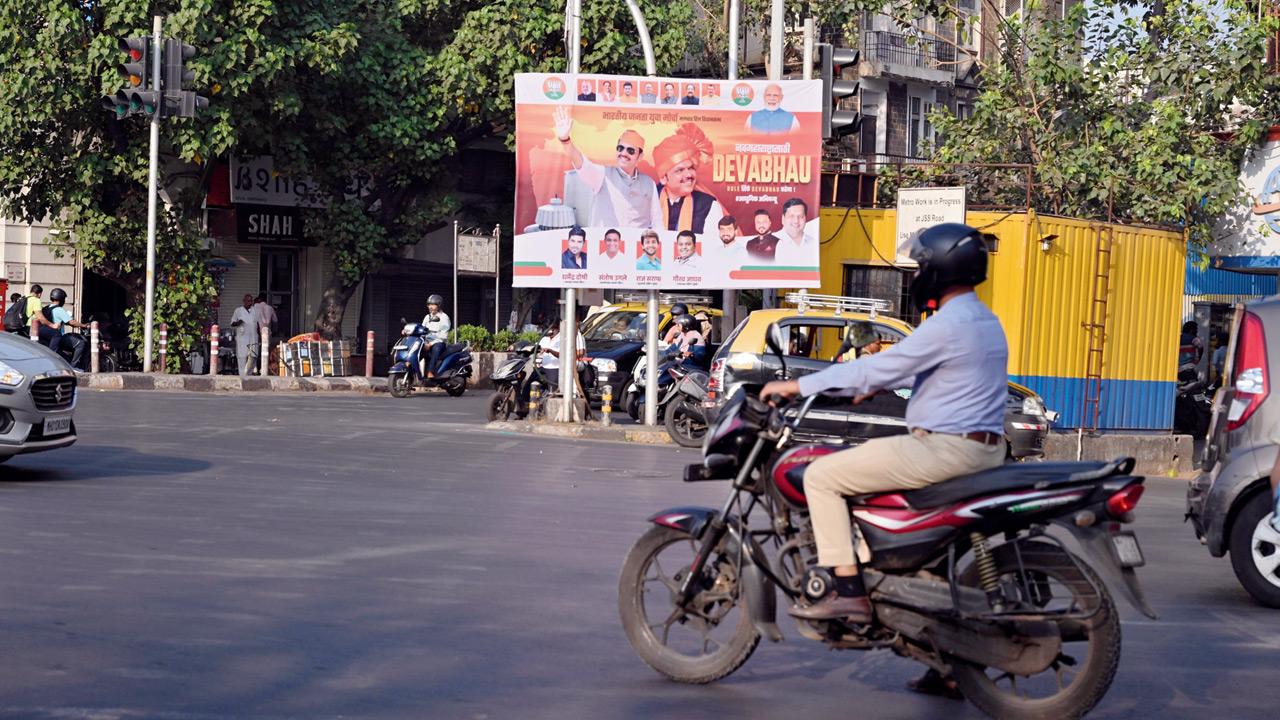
column 775, row 338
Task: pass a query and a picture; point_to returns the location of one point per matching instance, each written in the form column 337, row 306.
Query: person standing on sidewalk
column 245, row 321
column 957, row 363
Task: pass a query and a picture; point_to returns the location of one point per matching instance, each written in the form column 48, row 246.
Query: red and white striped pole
column 164, row 346
column 93, row 347
column 213, row 350
column 368, row 355
column 264, row 339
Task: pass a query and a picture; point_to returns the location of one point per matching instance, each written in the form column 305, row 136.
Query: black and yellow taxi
column 816, row 330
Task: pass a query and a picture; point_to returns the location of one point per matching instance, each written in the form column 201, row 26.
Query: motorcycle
column 964, row 577
column 686, row 423
column 633, row 397
column 511, row 380
column 409, row 364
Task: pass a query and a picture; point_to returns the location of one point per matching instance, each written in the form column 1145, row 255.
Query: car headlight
column 605, row 365
column 1032, row 405
column 10, row 376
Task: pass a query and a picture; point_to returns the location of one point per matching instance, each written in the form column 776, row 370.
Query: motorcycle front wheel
column 400, row 385
column 501, row 405
column 685, row 424
column 1086, row 664
column 700, row 643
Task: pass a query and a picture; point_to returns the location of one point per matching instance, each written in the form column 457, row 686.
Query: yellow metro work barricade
column 1091, row 310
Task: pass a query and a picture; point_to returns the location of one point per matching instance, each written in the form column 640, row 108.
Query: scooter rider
column 688, row 342
column 437, row 324
column 57, row 319
column 677, row 311
column 958, row 358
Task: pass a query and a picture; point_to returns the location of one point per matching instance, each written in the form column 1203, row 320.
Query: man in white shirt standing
column 267, row 317
column 549, row 353
column 795, row 248
column 245, row 321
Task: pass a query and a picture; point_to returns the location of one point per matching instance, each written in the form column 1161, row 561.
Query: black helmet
column 686, row 322
column 58, row 295
column 949, row 254
column 679, row 309
column 434, row 299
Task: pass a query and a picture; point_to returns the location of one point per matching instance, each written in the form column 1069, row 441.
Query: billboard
column 640, row 182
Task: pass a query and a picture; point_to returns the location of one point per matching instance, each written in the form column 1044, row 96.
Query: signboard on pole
column 477, row 254
column 15, row 272
column 920, row 208
column 669, row 183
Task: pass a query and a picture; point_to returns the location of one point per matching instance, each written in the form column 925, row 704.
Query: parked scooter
column 686, row 423
column 409, row 364
column 511, row 382
column 633, row 398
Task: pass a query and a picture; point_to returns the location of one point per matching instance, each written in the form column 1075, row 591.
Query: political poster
column 640, row 182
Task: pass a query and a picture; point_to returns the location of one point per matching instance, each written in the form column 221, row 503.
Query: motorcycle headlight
column 604, row 365
column 1032, row 405
column 9, row 375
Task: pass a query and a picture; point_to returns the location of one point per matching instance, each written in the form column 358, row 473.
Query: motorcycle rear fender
column 690, row 386
column 1097, row 545
column 761, row 596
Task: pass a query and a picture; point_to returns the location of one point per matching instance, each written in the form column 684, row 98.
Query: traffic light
column 837, row 123
column 179, row 101
column 135, row 71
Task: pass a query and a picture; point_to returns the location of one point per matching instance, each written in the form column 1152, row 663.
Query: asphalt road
column 324, row 556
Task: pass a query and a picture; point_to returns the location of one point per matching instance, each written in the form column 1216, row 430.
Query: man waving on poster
column 677, row 160
column 621, row 194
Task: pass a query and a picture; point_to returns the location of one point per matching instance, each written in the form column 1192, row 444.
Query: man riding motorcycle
column 437, row 324
column 54, row 323
column 678, row 311
column 956, row 362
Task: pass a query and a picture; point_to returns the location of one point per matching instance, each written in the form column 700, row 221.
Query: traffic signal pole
column 153, row 172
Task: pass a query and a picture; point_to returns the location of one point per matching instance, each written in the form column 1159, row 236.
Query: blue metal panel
column 1125, row 405
column 1218, row 279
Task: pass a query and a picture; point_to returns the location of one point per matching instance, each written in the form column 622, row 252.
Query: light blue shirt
column 959, row 359
column 648, row 263
column 61, row 315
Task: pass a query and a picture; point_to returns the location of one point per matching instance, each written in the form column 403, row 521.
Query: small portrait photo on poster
column 573, row 257
column 649, row 252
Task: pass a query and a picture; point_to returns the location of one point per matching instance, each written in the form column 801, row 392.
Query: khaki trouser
column 900, row 462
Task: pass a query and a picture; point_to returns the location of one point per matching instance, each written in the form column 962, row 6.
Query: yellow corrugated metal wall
column 1043, row 297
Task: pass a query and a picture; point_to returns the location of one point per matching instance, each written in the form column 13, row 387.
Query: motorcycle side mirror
column 775, row 338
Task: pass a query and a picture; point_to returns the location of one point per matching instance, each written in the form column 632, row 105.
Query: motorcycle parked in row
column 964, row 577
column 511, row 382
column 409, row 364
column 1193, row 404
column 684, row 416
column 633, row 397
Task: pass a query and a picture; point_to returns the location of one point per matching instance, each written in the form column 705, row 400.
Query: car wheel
column 1255, row 550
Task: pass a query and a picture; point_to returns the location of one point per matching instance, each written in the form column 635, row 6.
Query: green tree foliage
column 387, row 91
column 1128, row 110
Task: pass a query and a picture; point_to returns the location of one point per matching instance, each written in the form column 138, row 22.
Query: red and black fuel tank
column 788, row 471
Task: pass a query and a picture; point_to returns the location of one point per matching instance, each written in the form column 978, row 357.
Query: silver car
column 37, row 398
column 1230, row 502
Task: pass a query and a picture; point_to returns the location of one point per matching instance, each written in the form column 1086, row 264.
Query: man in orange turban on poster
column 677, row 160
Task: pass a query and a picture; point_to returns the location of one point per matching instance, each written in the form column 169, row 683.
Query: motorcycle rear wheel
column 400, row 385
column 701, row 643
column 456, row 387
column 685, row 424
column 1090, row 650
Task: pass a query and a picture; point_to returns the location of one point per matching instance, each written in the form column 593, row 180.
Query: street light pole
column 153, row 171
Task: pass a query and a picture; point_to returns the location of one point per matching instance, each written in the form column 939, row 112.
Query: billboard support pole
column 454, row 324
column 651, row 319
column 569, row 297
column 775, row 40
column 730, row 297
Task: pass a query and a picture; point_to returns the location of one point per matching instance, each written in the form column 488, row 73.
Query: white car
column 37, row 398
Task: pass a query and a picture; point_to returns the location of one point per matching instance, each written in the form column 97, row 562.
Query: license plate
column 57, row 426
column 1127, row 550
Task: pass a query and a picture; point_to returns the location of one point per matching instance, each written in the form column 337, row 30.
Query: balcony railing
column 898, row 49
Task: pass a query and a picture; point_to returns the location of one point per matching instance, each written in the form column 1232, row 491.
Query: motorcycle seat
column 1014, row 476
column 451, row 349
